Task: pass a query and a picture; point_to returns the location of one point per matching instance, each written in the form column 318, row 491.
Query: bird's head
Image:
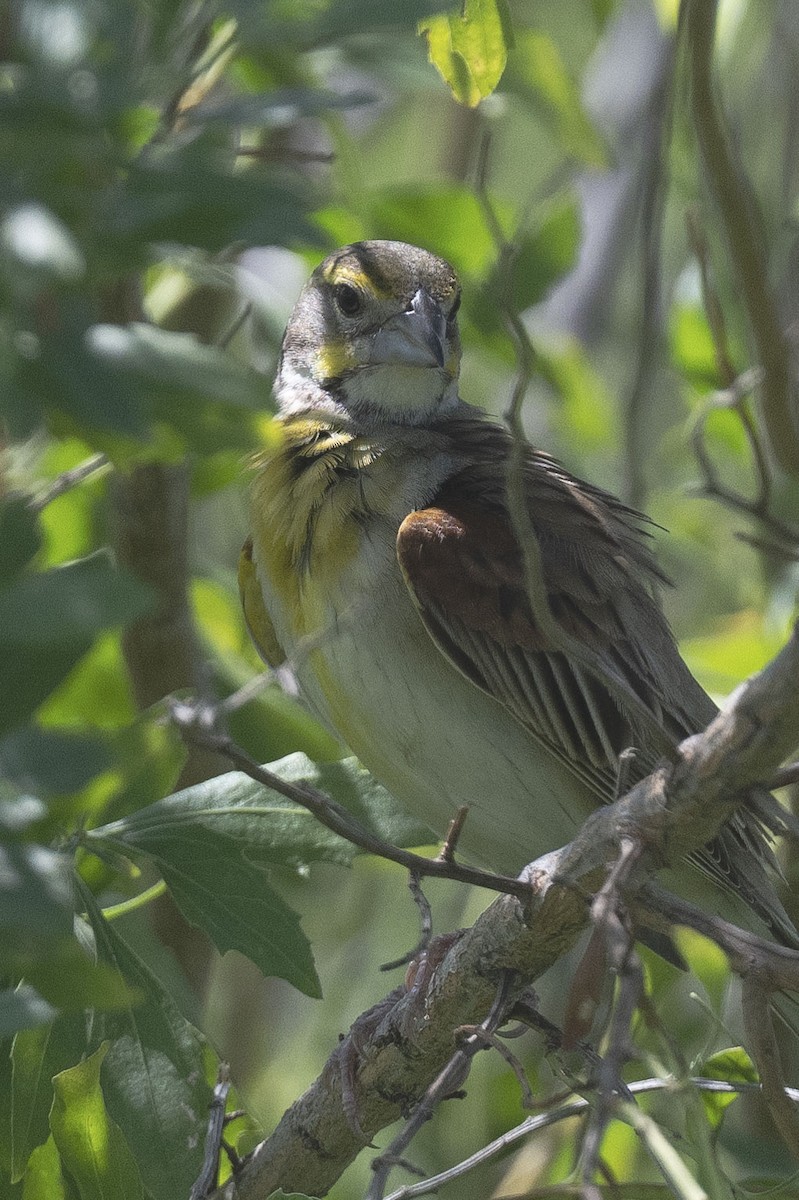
column 374, row 335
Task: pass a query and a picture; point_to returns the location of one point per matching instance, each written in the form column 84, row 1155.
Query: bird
column 386, row 567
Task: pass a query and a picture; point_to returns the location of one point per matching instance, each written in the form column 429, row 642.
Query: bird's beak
column 414, row 338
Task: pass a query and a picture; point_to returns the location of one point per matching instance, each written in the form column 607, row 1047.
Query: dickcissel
column 384, row 565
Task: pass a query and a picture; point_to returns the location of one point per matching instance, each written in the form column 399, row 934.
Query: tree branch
column 392, row 1054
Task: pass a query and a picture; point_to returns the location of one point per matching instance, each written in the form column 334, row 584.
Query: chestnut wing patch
column 463, row 568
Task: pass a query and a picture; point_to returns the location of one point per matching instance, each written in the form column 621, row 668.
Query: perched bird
column 385, row 565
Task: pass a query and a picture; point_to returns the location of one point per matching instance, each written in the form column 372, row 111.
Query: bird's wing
column 463, row 567
column 462, row 564
column 258, row 620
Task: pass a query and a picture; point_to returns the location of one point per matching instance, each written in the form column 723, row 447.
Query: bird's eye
column 348, row 300
column 453, row 312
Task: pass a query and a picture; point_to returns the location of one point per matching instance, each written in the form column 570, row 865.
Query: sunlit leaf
column 91, row 1145
column 692, row 346
column 271, row 829
column 469, row 48
column 43, row 1177
column 446, row 218
column 37, row 1055
column 233, row 827
column 584, row 412
column 742, row 644
column 37, row 241
column 732, row 1066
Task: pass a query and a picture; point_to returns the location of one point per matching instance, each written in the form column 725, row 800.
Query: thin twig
column 446, row 1084
column 577, row 1108
column 206, row 1180
column 426, row 920
column 69, row 479
column 331, row 814
column 733, row 197
column 521, row 522
column 609, row 916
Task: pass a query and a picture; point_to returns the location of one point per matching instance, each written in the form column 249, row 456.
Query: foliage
column 145, row 147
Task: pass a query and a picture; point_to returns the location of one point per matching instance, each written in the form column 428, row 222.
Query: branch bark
column 393, row 1053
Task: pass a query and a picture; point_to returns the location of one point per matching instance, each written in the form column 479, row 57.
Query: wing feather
column 259, row 623
column 464, row 570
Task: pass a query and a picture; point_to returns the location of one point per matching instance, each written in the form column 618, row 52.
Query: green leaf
column 185, row 198
column 49, row 620
column 35, row 901
column 37, row 1055
column 53, row 761
column 245, row 914
column 43, row 1177
column 539, row 65
column 20, row 536
column 267, row 828
column 446, row 218
column 469, row 49
column 177, row 362
column 305, row 23
column 153, row 1075
column 36, row 241
column 544, row 257
column 23, row 1008
column 233, row 828
column 91, row 1145
column 581, row 418
column 72, row 982
column 692, row 346
column 205, row 395
column 733, row 1066
column 65, row 378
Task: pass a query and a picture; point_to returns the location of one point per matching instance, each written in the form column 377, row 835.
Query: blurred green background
column 169, row 174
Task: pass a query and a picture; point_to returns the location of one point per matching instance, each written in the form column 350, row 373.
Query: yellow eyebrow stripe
column 336, row 273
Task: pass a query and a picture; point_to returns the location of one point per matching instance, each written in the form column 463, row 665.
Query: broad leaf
column 91, row 1145
column 231, row 828
column 44, row 1179
column 545, row 256
column 447, row 217
column 539, row 66
column 22, row 1008
column 35, row 901
column 469, row 49
column 37, row 1055
column 53, row 761
column 153, row 1075
column 270, row 829
column 544, row 77
column 49, row 620
column 20, row 536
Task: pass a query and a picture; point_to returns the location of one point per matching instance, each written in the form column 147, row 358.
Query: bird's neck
column 325, row 482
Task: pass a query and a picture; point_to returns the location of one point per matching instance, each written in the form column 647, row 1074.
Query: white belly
column 429, row 735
